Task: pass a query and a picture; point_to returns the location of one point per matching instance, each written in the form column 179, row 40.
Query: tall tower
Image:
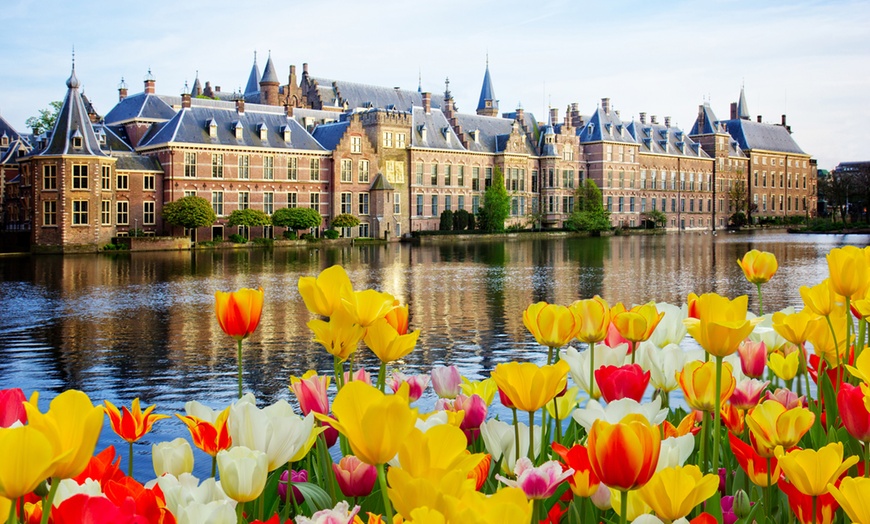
column 488, row 105
column 269, row 84
column 253, row 86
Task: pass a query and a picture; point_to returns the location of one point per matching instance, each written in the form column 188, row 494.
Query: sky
column 809, row 60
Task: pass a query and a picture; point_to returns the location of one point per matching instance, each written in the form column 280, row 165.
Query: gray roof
column 707, row 125
column 605, row 127
column 380, row 182
column 10, row 155
column 7, row 129
column 141, row 106
column 486, row 91
column 770, row 137
column 493, row 133
column 742, row 107
column 438, row 131
column 314, row 117
column 269, row 74
column 133, row 162
column 253, row 85
column 191, row 126
column 335, row 93
column 115, row 141
column 329, row 135
column 664, row 140
column 72, row 121
column 547, row 142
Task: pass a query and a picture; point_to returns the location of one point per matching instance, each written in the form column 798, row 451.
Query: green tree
column 46, row 119
column 657, row 218
column 190, row 212
column 460, row 220
column 296, row 218
column 446, row 220
column 589, row 213
column 345, row 220
column 496, row 204
column 249, row 218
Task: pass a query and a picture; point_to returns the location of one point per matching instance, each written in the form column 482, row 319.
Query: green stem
column 760, row 302
column 717, row 418
column 350, row 365
column 290, row 493
column 591, row 370
column 816, row 499
column 633, row 350
column 339, row 374
column 866, row 459
column 806, row 366
column 549, row 355
column 516, row 437
column 382, row 377
column 12, row 518
column 848, row 325
column 46, row 509
column 382, row 480
column 326, row 466
column 130, row 462
column 240, row 368
column 839, row 364
column 532, row 436
column 623, row 506
column 239, row 518
column 862, row 332
column 213, row 466
column 702, row 453
column 558, row 422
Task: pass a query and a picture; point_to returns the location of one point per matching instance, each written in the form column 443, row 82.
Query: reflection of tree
column 843, row 189
column 588, row 255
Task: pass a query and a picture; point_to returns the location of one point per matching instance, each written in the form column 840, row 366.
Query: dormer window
column 591, row 128
column 286, row 132
column 4, row 140
column 475, row 135
column 212, row 128
column 607, row 126
column 102, row 137
column 77, row 139
column 263, row 131
column 238, row 129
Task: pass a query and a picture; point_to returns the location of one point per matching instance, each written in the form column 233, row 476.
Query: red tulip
column 94, row 510
column 355, row 478
column 753, row 464
column 12, row 407
column 627, row 381
column 584, row 482
column 855, row 416
column 802, row 505
column 753, row 358
column 238, row 312
column 103, row 467
column 148, row 503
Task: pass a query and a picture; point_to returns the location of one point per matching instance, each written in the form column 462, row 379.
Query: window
column 190, row 165
column 49, row 177
column 363, row 207
column 106, row 212
column 244, row 166
column 346, row 170
column 292, row 169
column 217, row 202
column 460, row 176
column 148, row 213
column 523, row 179
column 217, row 165
column 269, row 167
column 448, row 175
column 434, row 176
column 460, row 202
column 610, row 204
column 418, row 171
column 80, row 212
column 105, row 178
column 148, row 182
column 515, row 206
column 397, row 203
column 292, row 200
column 631, row 204
column 673, row 205
column 487, row 178
column 475, row 178
column 448, row 203
column 653, row 204
column 364, row 171
column 314, row 169
column 419, row 205
column 49, row 213
column 364, row 230
column 475, row 204
column 355, row 144
column 400, row 140
column 244, row 200
column 80, row 178
column 314, row 201
column 434, row 205
column 621, row 204
column 642, row 204
column 534, row 181
column 609, row 153
column 189, row 193
column 395, row 171
column 346, row 206
column 123, row 212
column 123, row 182
column 388, row 139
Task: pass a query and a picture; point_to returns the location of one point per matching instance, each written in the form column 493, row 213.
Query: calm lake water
column 142, row 325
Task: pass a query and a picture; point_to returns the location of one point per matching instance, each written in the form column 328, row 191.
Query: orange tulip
column 638, row 323
column 754, row 464
column 733, row 418
column 686, row 426
column 207, row 436
column 698, row 382
column 773, row 425
column 238, row 312
column 632, row 443
column 131, row 425
column 583, row 481
column 758, row 266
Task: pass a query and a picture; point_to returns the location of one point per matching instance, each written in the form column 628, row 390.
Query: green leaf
column 316, row 498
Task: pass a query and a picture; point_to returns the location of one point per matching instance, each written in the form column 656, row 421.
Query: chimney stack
column 185, row 100
column 288, row 110
column 149, row 83
column 733, row 110
column 427, row 102
column 667, row 121
column 605, row 105
column 521, row 116
column 122, row 90
column 701, row 120
column 240, row 105
column 554, row 115
column 653, row 119
column 758, row 119
column 783, row 121
column 643, row 117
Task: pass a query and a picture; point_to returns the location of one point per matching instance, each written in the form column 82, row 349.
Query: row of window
column 80, row 179
column 291, row 169
column 632, row 207
column 659, row 180
column 773, row 160
column 620, row 153
column 782, row 180
column 81, row 216
column 397, row 140
column 244, row 201
column 362, row 171
column 783, row 203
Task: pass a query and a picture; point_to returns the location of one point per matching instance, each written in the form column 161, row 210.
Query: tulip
column 148, row 503
column 361, row 375
column 747, row 393
column 529, row 386
column 733, row 417
column 686, row 426
column 663, row 365
column 243, row 472
column 848, row 269
column 340, row 336
column 175, row 457
column 238, row 313
column 819, row 299
column 793, row 327
column 474, row 411
column 593, row 315
column 802, row 505
column 540, row 482
column 311, row 392
column 499, row 439
column 584, row 363
column 652, row 412
column 480, row 473
column 810, row 471
column 398, row 318
column 275, row 430
column 102, row 467
column 670, row 329
column 208, row 429
column 340, row 514
column 673, row 492
column 322, row 294
column 675, row 451
column 627, row 381
column 754, row 465
column 758, row 267
column 355, row 478
column 92, row 509
column 637, row 324
column 852, row 495
column 446, row 381
column 829, row 338
column 68, row 488
column 784, row 367
column 562, row 405
column 12, row 407
column 131, row 425
column 294, row 477
column 417, row 384
column 696, row 381
column 583, row 481
column 773, row 425
column 368, row 306
column 215, row 512
column 485, row 389
column 753, row 358
column 182, row 491
column 388, row 345
column 29, row 457
column 551, row 325
column 854, row 413
column 721, row 325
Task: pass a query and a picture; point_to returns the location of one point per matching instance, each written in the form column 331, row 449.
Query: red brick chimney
column 758, row 118
column 427, row 102
column 240, row 105
column 149, row 83
column 122, row 90
column 185, row 100
column 733, row 110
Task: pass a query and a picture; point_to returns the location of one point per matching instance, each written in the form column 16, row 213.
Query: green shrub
column 460, row 220
column 237, row 239
column 446, row 220
column 267, row 242
column 331, row 234
column 290, row 235
column 308, row 237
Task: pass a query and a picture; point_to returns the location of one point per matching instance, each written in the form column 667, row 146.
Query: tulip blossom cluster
column 769, row 421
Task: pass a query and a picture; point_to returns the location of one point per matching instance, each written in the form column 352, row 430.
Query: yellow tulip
column 758, row 266
column 673, row 492
column 485, row 389
column 638, row 323
column 848, row 269
column 861, row 369
column 830, row 346
column 820, row 299
column 528, row 386
column 565, row 403
column 698, row 382
column 811, row 471
column 340, row 336
column 862, row 307
column 436, row 452
column 784, row 367
column 376, row 425
column 552, row 325
column 322, row 294
column 773, row 425
column 28, row 459
column 636, row 506
column 721, row 324
column 594, row 319
column 853, row 495
column 5, row 506
column 408, row 493
column 793, row 327
column 366, row 307
column 386, row 343
column 243, row 472
column 506, row 506
column 73, row 424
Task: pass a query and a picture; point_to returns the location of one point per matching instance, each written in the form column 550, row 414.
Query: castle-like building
column 394, row 158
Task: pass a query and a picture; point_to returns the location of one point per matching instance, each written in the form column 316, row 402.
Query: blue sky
column 810, row 60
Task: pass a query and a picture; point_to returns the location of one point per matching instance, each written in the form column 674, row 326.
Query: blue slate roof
column 141, row 106
column 707, row 125
column 10, row 155
column 72, row 122
column 664, row 140
column 742, row 107
column 604, row 127
column 253, row 85
column 493, row 133
column 329, row 135
column 769, row 137
column 133, row 162
column 334, row 93
column 439, row 133
column 548, row 142
column 487, row 92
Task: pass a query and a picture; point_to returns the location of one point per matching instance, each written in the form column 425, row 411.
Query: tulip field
column 770, row 421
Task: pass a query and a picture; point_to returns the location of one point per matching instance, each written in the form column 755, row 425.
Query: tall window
column 355, row 144
column 346, row 170
column 189, row 165
column 434, row 205
column 106, row 212
column 268, row 203
column 314, row 201
column 80, row 212
column 475, row 178
column 244, row 200
column 419, row 205
column 244, row 166
column 397, row 203
column 363, row 208
column 106, row 178
column 49, row 213
column 364, row 171
column 49, row 177
column 148, row 182
column 448, row 175
column 217, row 202
column 148, row 214
column 346, row 206
column 292, row 169
column 314, row 169
column 460, row 202
column 123, row 212
column 487, row 178
column 268, row 167
column 217, row 165
column 388, row 139
column 418, row 169
column 433, row 179
column 292, row 199
column 400, row 140
column 80, row 177
column 123, row 182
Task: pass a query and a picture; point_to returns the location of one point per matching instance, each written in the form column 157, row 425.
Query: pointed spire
column 269, row 74
column 253, row 85
column 73, row 82
column 447, row 95
column 197, row 86
column 420, row 80
column 742, row 108
column 487, row 105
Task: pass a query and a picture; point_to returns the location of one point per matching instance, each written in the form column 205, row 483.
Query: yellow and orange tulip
column 368, row 306
column 340, row 336
column 552, row 325
column 773, row 425
column 210, row 437
column 758, row 266
column 132, row 424
column 638, row 323
column 529, row 386
column 632, row 443
column 593, row 315
column 698, row 382
column 238, row 312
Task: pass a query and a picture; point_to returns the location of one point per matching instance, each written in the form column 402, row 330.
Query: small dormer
column 475, row 135
column 446, row 132
column 681, row 146
column 4, row 140
column 663, row 132
column 77, row 139
column 424, row 132
column 238, row 128
column 211, row 125
column 679, row 135
column 263, row 130
column 647, row 142
column 608, row 127
column 590, row 128
column 102, row 137
column 664, row 144
column 619, row 129
column 647, row 130
column 285, row 131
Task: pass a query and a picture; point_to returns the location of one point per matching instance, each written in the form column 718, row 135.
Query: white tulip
column 499, row 438
column 69, row 487
column 675, row 451
column 215, row 512
column 275, row 430
column 662, row 364
column 618, row 409
column 671, row 329
column 175, row 457
column 243, row 472
column 579, row 362
column 186, row 489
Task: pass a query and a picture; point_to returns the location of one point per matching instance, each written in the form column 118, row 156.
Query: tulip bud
column 42, row 489
column 243, row 472
column 601, row 498
column 355, row 478
column 446, row 381
column 174, row 457
column 741, row 505
column 294, row 476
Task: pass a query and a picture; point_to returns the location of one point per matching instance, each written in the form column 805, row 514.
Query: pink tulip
column 417, row 384
column 537, row 483
column 786, row 397
column 12, row 407
column 753, row 358
column 296, row 476
column 614, row 339
column 475, row 413
column 747, row 393
column 360, row 374
column 311, row 391
column 355, row 478
column 446, row 381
